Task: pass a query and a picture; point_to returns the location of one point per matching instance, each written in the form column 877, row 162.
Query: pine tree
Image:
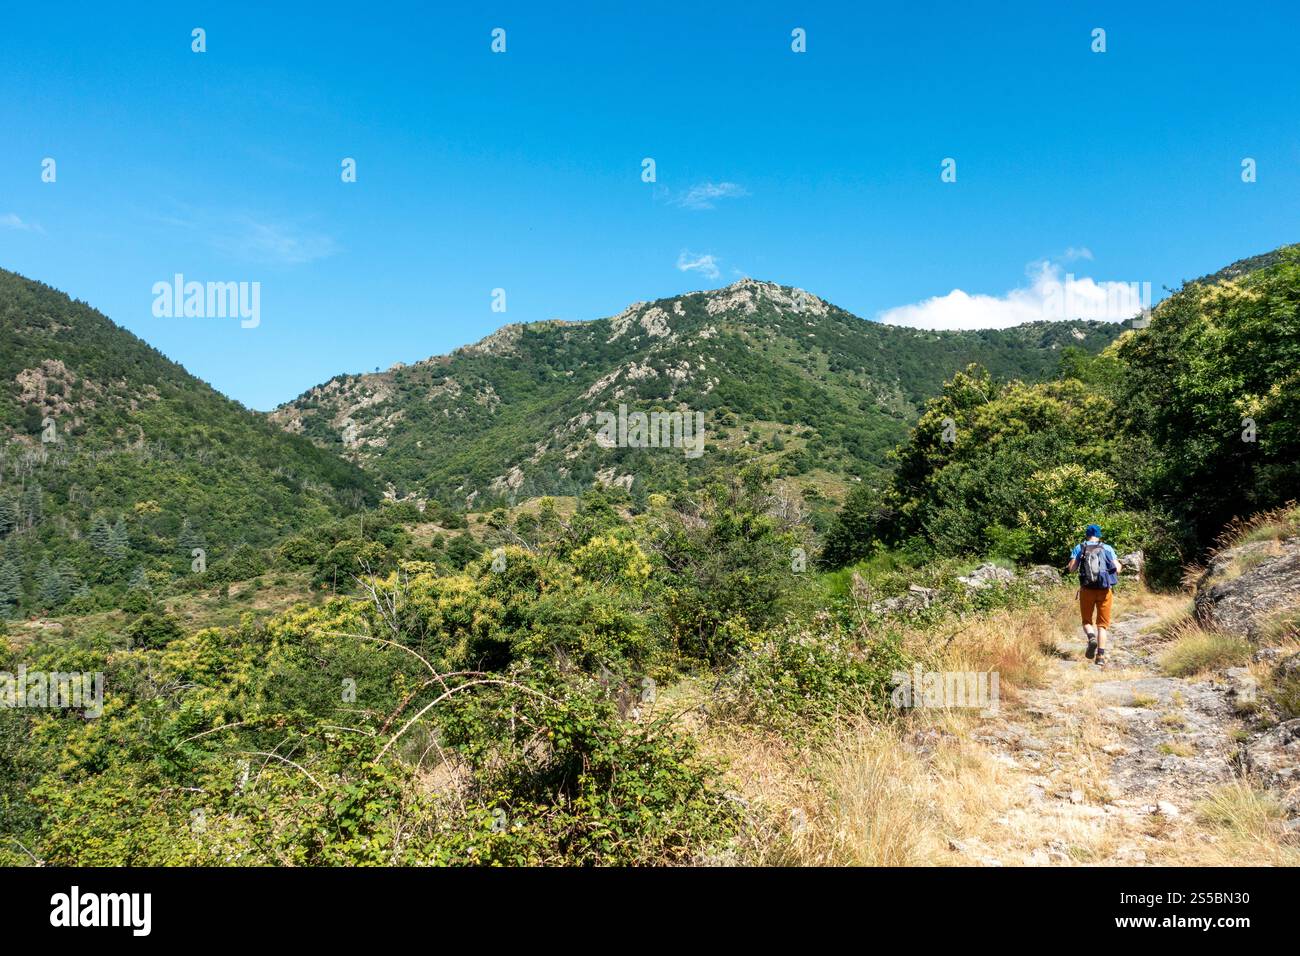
column 8, row 516
column 11, row 588
column 50, row 590
column 70, row 577
column 119, row 542
column 138, row 580
column 101, row 534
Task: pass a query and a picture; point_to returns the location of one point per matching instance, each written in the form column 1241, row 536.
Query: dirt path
column 1107, row 767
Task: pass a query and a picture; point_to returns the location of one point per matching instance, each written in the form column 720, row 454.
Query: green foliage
column 146, row 457
column 798, row 678
column 153, row 629
column 858, row 527
column 1070, row 497
column 1215, row 355
column 970, row 479
column 728, row 560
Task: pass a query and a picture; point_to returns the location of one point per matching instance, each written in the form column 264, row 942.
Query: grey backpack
column 1094, row 570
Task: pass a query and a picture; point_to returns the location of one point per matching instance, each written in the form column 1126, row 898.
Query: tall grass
column 1198, row 651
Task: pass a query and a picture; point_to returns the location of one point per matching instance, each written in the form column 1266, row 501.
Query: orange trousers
column 1095, row 599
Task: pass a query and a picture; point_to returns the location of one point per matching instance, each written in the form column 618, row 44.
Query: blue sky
column 522, row 170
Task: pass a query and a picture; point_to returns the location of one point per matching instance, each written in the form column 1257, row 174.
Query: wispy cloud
column 1049, row 295
column 11, row 220
column 706, row 195
column 275, row 243
column 706, row 264
column 248, row 236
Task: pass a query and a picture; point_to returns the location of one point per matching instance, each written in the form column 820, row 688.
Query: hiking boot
column 1101, row 660
column 1091, row 652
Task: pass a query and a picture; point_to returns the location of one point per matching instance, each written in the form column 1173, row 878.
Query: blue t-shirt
column 1110, row 577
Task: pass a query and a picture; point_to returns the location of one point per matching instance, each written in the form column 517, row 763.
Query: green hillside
column 775, row 371
column 115, row 462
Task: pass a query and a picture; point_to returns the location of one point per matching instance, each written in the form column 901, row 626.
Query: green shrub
column 153, row 629
column 793, row 679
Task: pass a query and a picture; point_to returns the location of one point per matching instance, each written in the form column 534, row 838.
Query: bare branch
column 263, row 753
column 443, row 696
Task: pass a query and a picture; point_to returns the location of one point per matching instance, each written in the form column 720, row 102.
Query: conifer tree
column 11, row 588
column 50, row 589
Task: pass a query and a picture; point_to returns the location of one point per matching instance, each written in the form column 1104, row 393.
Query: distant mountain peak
column 745, row 296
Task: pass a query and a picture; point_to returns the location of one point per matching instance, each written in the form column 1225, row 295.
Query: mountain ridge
column 702, row 350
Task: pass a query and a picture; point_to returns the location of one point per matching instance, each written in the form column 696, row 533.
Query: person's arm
column 1074, row 561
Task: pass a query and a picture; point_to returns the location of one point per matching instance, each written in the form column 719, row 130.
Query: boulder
column 916, row 598
column 1043, row 576
column 1132, row 563
column 987, row 575
column 1274, row 756
column 1246, row 586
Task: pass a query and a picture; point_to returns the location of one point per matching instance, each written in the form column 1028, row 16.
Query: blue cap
column 1092, row 531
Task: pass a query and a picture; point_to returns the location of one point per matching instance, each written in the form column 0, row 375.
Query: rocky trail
column 1108, row 766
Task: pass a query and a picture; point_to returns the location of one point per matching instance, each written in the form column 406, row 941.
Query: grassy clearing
column 265, row 596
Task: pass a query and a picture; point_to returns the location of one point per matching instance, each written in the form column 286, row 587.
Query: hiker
column 1099, row 570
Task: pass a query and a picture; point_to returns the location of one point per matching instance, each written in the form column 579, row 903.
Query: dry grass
column 879, row 800
column 1015, row 644
column 932, row 788
column 1196, row 651
column 1281, row 629
column 903, row 793
column 874, row 808
column 1248, row 824
column 1274, row 525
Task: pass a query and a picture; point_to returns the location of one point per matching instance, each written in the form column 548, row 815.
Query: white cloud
column 11, row 220
column 703, row 195
column 1048, row 296
column 689, row 262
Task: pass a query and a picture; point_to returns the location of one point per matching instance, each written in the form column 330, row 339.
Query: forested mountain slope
column 772, row 369
column 115, row 461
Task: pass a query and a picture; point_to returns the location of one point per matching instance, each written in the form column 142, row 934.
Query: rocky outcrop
column 987, row 575
column 1274, row 758
column 1247, row 587
column 915, row 598
column 1132, row 563
column 1043, row 576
